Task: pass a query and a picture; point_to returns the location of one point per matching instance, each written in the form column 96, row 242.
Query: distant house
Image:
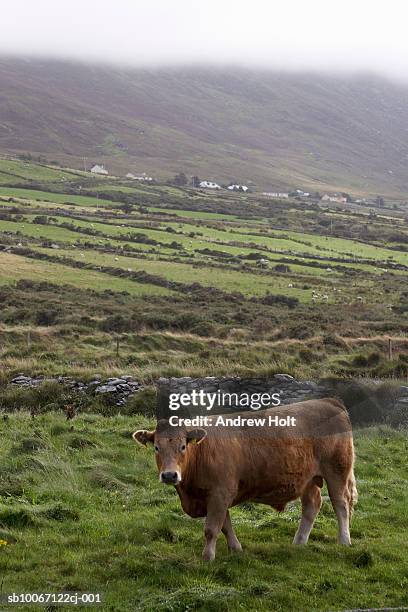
column 99, row 170
column 302, row 194
column 335, row 197
column 209, row 185
column 143, row 177
column 238, row 188
column 275, row 194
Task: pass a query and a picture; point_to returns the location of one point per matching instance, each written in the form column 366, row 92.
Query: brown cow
column 267, row 465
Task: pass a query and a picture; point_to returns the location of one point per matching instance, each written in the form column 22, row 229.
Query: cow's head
column 171, row 446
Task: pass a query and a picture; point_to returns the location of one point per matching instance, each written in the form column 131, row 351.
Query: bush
column 307, row 356
column 115, row 323
column 367, row 402
column 186, row 321
column 46, row 317
column 48, row 396
column 143, row 402
column 369, row 361
column 204, row 328
column 282, row 268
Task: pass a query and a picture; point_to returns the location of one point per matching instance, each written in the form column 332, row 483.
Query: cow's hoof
column 208, row 555
column 235, row 548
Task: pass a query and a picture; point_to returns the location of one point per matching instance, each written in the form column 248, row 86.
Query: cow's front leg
column 216, row 515
column 232, row 540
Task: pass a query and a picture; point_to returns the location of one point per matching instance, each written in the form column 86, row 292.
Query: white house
column 99, row 170
column 238, row 188
column 209, row 185
column 334, row 198
column 143, row 177
column 275, row 194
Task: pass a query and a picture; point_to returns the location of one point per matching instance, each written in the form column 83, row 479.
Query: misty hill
column 277, row 130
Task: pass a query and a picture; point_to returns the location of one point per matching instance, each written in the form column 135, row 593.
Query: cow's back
column 271, row 464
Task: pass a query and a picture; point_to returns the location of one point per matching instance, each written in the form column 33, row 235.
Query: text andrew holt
column 236, row 421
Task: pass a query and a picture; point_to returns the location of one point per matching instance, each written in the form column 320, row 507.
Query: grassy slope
column 15, row 267
column 13, row 170
column 88, row 491
column 62, row 198
column 345, row 333
column 274, row 129
column 205, row 233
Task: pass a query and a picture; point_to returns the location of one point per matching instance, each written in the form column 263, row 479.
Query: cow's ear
column 196, row 436
column 143, row 436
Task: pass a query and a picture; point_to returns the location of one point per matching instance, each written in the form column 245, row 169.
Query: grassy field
column 78, row 502
column 60, row 198
column 155, row 281
column 14, row 268
column 333, row 285
column 15, row 170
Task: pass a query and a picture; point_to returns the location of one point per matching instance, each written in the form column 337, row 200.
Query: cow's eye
column 183, row 447
column 156, row 448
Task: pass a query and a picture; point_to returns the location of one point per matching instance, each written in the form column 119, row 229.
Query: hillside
column 276, row 130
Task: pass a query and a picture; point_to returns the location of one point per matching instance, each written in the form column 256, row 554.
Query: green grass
column 15, row 267
column 61, row 198
column 227, row 263
column 228, row 280
column 192, row 214
column 15, row 169
column 89, row 491
column 300, row 243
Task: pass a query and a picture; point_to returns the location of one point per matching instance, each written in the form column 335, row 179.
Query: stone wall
column 367, row 401
column 289, row 389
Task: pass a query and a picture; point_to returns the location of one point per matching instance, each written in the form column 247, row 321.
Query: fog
column 297, row 34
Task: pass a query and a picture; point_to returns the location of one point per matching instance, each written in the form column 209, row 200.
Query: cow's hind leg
column 228, row 531
column 216, row 516
column 311, row 504
column 342, row 493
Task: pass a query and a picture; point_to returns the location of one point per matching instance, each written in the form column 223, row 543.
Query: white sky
column 294, row 34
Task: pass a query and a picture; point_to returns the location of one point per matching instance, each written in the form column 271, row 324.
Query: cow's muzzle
column 171, row 478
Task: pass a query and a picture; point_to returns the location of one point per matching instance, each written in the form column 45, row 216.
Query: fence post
column 390, row 349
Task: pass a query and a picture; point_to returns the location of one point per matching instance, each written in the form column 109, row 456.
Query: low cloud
column 319, row 35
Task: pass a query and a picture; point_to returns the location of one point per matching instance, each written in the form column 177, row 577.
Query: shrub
column 46, row 317
column 282, row 268
column 307, row 356
column 366, row 402
column 143, row 402
column 204, row 328
column 115, row 323
column 369, row 361
column 49, row 395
